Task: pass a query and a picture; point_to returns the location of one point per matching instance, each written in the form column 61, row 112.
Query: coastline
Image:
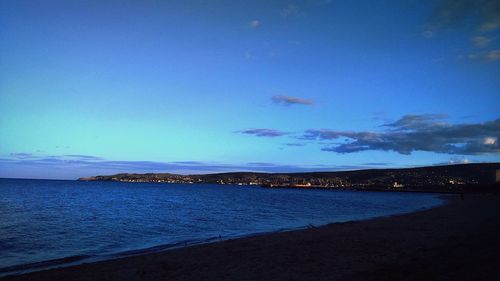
column 79, row 259
column 455, row 240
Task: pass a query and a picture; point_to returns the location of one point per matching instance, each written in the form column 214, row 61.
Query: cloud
column 21, row 155
column 417, row 122
column 455, row 160
column 428, row 33
column 287, row 100
column 491, row 25
column 295, row 144
column 490, row 141
column 254, row 23
column 263, row 132
column 452, row 12
column 416, row 133
column 475, row 17
column 489, row 56
column 480, row 41
column 68, row 157
column 86, row 157
column 484, row 14
column 249, row 55
column 61, row 167
column 290, row 11
column 375, row 164
column 492, row 55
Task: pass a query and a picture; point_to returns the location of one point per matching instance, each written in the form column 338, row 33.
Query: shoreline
column 76, row 260
column 79, row 259
column 456, row 240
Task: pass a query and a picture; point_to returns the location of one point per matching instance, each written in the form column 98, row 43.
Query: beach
column 455, row 241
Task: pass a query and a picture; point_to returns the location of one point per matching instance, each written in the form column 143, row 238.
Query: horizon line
column 337, row 171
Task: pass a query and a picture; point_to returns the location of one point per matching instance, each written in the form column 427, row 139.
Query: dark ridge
column 446, row 178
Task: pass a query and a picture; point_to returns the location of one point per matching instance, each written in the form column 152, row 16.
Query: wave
column 79, row 259
column 43, row 264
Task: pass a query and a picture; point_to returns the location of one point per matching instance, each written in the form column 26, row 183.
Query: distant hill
column 463, row 177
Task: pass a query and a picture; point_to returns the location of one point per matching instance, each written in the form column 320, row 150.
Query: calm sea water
column 46, row 223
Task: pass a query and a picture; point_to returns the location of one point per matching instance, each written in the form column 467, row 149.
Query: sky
column 101, row 87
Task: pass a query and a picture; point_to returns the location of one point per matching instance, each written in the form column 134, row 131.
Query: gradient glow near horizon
column 97, row 87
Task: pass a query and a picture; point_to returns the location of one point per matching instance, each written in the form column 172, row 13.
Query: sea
column 53, row 223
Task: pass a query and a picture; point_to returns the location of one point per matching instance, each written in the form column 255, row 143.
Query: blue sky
column 98, row 87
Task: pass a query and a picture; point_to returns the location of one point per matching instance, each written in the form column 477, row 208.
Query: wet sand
column 457, row 241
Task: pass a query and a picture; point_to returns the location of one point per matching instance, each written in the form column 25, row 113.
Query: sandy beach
column 456, row 241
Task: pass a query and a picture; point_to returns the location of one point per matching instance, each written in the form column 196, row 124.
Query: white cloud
column 480, row 41
column 428, row 33
column 489, row 56
column 491, row 25
column 290, row 11
column 492, row 55
column 490, row 141
column 249, row 55
column 254, row 23
column 458, row 160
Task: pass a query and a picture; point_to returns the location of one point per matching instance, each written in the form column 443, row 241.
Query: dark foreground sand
column 458, row 241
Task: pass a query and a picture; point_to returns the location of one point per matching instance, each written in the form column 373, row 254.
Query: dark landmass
column 457, row 241
column 450, row 178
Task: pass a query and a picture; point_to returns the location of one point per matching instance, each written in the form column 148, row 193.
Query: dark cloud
column 263, row 132
column 87, row 157
column 295, row 144
column 375, row 164
column 417, row 122
column 287, row 100
column 416, row 133
column 188, row 162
